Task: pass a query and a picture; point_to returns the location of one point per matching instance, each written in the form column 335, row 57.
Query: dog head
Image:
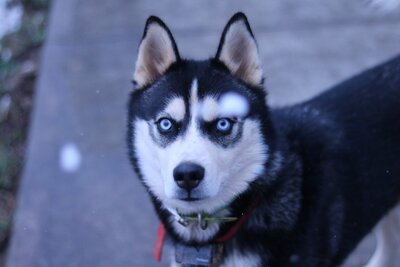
column 198, row 131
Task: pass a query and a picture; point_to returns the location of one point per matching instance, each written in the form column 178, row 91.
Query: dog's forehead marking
column 176, row 108
column 230, row 104
column 194, row 98
column 207, row 109
column 194, row 102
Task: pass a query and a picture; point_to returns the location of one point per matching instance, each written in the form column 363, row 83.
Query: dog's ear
column 157, row 52
column 238, row 50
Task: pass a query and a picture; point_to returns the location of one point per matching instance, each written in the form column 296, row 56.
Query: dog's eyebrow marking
column 176, row 108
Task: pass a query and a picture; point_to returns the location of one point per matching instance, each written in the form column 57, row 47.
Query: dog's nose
column 188, row 175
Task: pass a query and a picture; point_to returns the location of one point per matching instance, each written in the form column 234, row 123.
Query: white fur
column 228, row 171
column 226, row 175
column 237, row 259
column 149, row 159
column 194, row 98
column 192, row 147
column 209, row 108
column 194, row 232
column 176, row 109
column 387, row 252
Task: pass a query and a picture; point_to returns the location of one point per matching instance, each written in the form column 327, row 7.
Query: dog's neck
column 202, row 218
column 268, row 189
column 202, row 228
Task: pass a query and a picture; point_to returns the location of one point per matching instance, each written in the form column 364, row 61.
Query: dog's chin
column 190, row 205
column 185, row 202
column 198, row 201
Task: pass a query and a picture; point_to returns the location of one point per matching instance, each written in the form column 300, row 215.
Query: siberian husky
column 236, row 183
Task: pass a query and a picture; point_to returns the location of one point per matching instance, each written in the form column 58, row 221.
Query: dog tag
column 193, row 256
column 190, row 256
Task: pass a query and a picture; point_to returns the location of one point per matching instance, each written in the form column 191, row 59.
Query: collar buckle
column 202, row 221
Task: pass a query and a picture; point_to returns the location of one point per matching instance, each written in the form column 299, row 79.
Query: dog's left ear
column 238, row 50
column 157, row 52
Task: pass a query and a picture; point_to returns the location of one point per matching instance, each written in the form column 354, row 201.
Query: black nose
column 188, row 175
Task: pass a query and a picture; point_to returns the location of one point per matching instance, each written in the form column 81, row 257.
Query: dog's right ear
column 238, row 51
column 157, row 52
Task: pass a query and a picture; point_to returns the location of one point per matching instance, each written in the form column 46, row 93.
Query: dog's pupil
column 223, row 124
column 165, row 124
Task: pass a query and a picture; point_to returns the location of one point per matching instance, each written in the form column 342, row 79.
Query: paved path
column 100, row 215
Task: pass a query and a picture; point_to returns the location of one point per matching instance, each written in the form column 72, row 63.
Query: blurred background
column 68, row 196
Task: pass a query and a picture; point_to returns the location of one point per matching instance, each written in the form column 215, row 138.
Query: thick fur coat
column 322, row 173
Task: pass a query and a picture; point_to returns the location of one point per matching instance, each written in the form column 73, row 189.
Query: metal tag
column 191, row 256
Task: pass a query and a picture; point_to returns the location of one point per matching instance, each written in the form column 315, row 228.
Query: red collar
column 161, row 233
column 158, row 246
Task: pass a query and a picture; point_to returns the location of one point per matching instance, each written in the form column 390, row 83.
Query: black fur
column 339, row 153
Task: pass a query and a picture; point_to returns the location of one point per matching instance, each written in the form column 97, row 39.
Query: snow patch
column 233, row 105
column 70, row 158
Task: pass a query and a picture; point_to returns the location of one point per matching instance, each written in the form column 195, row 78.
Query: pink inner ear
column 240, row 54
column 238, row 45
column 156, row 54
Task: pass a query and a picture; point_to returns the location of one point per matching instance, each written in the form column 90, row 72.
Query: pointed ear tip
column 240, row 19
column 238, row 16
column 154, row 20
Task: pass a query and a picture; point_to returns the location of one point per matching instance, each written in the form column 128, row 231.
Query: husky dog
column 236, row 183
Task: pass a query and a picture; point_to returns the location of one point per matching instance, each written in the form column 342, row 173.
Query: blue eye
column 164, row 125
column 224, row 126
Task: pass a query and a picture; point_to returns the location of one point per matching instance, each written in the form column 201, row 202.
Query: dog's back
column 349, row 140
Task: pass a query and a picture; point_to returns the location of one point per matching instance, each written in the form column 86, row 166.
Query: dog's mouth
column 190, row 199
column 190, row 196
